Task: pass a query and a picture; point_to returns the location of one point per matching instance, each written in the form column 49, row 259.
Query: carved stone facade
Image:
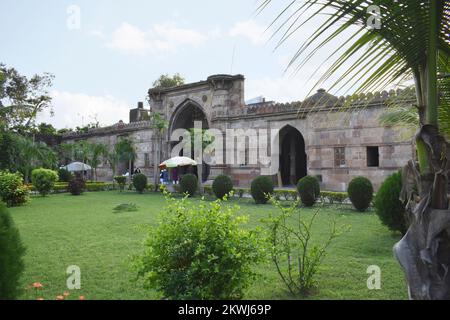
column 332, row 138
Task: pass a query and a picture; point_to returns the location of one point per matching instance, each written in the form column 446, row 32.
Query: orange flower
column 82, row 298
column 66, row 294
column 59, row 297
column 37, row 285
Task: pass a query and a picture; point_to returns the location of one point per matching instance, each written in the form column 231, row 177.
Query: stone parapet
column 117, row 128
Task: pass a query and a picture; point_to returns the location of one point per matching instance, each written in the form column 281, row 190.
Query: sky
column 106, row 54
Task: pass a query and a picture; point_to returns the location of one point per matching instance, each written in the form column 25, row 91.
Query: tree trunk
column 424, row 252
column 155, row 166
column 129, row 170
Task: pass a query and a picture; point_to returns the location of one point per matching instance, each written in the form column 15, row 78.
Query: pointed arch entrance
column 184, row 117
column 293, row 159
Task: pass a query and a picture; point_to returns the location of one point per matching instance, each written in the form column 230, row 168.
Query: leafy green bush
column 64, row 175
column 388, row 206
column 296, row 257
column 199, row 251
column 360, row 192
column 261, row 187
column 140, row 182
column 121, row 181
column 222, row 186
column 61, row 187
column 97, row 186
column 11, row 257
column 44, row 180
column 334, row 197
column 309, row 190
column 77, row 185
column 12, row 190
column 288, row 195
column 188, row 184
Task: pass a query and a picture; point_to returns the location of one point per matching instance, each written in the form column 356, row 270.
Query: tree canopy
column 22, row 98
column 167, row 81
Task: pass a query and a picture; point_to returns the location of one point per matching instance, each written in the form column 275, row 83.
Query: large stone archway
column 293, row 159
column 184, row 117
column 186, row 114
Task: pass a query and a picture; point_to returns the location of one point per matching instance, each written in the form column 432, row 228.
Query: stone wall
column 325, row 122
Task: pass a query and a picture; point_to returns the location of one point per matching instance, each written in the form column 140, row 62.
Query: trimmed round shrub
column 309, row 190
column 11, row 257
column 44, row 180
column 260, row 188
column 12, row 190
column 77, row 185
column 140, row 182
column 64, row 175
column 360, row 192
column 121, row 181
column 222, row 186
column 189, row 184
column 388, row 206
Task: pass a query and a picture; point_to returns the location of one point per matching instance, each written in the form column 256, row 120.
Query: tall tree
column 167, row 81
column 113, row 160
column 31, row 154
column 65, row 153
column 126, row 151
column 159, row 125
column 390, row 41
column 21, row 99
column 97, row 152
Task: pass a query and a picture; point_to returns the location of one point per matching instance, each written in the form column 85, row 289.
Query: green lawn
column 62, row 230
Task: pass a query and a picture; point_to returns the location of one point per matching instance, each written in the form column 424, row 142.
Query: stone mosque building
column 332, row 138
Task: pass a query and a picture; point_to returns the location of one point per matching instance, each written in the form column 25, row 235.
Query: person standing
column 175, row 176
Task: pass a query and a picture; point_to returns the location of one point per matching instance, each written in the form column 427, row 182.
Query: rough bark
column 424, row 252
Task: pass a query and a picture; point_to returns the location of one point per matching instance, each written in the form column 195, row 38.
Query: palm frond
column 377, row 57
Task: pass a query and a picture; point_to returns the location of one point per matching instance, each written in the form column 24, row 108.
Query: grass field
column 63, row 230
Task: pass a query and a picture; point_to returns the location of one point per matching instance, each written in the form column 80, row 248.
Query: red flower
column 82, row 298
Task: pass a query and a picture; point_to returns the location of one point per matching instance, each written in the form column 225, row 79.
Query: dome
column 321, row 99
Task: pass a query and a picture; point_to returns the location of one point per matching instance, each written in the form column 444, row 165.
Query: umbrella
column 178, row 162
column 77, row 166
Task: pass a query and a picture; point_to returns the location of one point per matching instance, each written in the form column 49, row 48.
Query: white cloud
column 250, row 30
column 74, row 109
column 159, row 39
column 97, row 33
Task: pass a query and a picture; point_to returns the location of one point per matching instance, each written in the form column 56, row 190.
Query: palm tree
column 66, row 153
column 81, row 151
column 408, row 117
column 411, row 41
column 97, row 151
column 159, row 125
column 125, row 151
column 113, row 160
column 33, row 154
